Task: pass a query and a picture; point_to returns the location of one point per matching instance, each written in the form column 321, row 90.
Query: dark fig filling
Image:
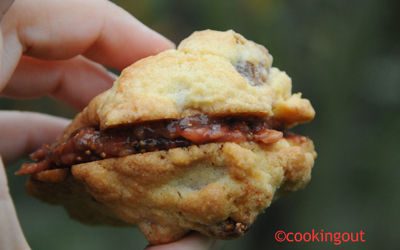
column 91, row 144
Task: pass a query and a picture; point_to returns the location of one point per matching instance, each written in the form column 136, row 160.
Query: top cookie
column 211, row 72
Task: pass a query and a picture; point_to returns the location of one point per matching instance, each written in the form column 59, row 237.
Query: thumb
column 194, row 241
column 11, row 236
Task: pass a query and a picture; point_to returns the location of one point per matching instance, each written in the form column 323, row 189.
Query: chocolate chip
column 255, row 74
column 232, row 228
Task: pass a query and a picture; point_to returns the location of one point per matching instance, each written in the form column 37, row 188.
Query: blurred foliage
column 342, row 55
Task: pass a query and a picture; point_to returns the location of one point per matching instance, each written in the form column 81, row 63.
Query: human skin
column 59, row 48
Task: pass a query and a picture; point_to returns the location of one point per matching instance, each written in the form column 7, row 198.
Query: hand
column 56, row 48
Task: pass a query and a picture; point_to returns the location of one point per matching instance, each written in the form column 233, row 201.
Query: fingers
column 11, row 236
column 49, row 29
column 4, row 5
column 99, row 29
column 123, row 40
column 75, row 81
column 23, row 132
column 194, row 241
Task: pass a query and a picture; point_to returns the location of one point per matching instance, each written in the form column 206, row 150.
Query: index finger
column 98, row 29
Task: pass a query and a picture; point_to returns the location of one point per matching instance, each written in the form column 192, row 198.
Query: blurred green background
column 342, row 55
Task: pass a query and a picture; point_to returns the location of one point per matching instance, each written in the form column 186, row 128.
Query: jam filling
column 91, row 144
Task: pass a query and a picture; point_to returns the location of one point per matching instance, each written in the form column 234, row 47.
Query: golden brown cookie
column 189, row 139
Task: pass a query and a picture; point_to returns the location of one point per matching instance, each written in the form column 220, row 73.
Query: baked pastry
column 190, row 139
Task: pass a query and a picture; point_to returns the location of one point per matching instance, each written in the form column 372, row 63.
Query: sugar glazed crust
column 217, row 189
